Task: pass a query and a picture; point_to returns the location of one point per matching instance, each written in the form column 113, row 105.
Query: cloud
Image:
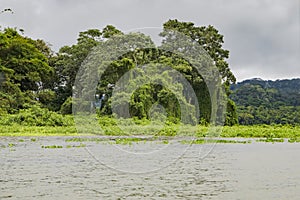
column 263, row 36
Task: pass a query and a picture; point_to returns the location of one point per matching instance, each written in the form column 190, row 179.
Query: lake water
column 148, row 170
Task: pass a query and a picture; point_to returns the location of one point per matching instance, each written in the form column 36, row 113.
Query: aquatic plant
column 76, row 146
column 11, row 145
column 155, row 130
column 273, row 140
column 224, row 141
column 293, row 140
column 52, row 147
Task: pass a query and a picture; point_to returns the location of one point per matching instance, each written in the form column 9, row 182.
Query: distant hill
column 267, row 102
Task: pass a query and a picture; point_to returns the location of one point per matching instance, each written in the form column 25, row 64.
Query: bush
column 37, row 116
column 66, row 107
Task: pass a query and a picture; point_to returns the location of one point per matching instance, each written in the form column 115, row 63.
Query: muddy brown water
column 98, row 171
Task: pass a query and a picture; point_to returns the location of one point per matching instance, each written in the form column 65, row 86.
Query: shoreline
column 198, row 132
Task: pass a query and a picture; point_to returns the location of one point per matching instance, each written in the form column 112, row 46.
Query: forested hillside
column 267, row 102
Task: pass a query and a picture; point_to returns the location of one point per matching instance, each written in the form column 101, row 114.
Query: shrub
column 34, row 115
column 66, row 107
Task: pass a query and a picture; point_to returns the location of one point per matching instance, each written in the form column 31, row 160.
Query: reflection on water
column 230, row 171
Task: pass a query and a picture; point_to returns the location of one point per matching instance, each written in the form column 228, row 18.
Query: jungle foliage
column 267, row 102
column 36, row 83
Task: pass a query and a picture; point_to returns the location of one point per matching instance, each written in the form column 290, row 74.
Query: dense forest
column 267, row 102
column 38, row 81
column 37, row 84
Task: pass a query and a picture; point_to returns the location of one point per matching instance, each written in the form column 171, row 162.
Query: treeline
column 36, row 79
column 267, row 102
column 36, row 83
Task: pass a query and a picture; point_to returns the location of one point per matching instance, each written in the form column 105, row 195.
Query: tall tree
column 211, row 41
column 25, row 68
column 69, row 59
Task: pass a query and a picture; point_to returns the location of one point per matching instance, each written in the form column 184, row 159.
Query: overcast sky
column 263, row 36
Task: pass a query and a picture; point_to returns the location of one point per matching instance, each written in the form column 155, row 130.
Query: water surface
column 229, row 171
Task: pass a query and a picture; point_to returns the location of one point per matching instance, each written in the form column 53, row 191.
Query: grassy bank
column 18, row 130
column 40, row 122
column 261, row 131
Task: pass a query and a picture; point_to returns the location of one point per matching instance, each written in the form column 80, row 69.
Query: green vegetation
column 36, row 83
column 108, row 127
column 76, row 146
column 36, row 91
column 19, row 130
column 273, row 140
column 52, row 147
column 11, row 145
column 293, row 140
column 262, row 131
column 267, row 102
column 127, row 141
column 223, row 141
column 77, row 139
column 36, row 116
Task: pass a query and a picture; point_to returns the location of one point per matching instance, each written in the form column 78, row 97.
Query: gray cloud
column 263, row 36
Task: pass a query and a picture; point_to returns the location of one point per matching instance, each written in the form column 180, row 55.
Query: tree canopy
column 32, row 73
column 24, row 67
column 267, row 102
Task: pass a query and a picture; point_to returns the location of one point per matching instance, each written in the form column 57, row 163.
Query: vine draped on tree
column 32, row 74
